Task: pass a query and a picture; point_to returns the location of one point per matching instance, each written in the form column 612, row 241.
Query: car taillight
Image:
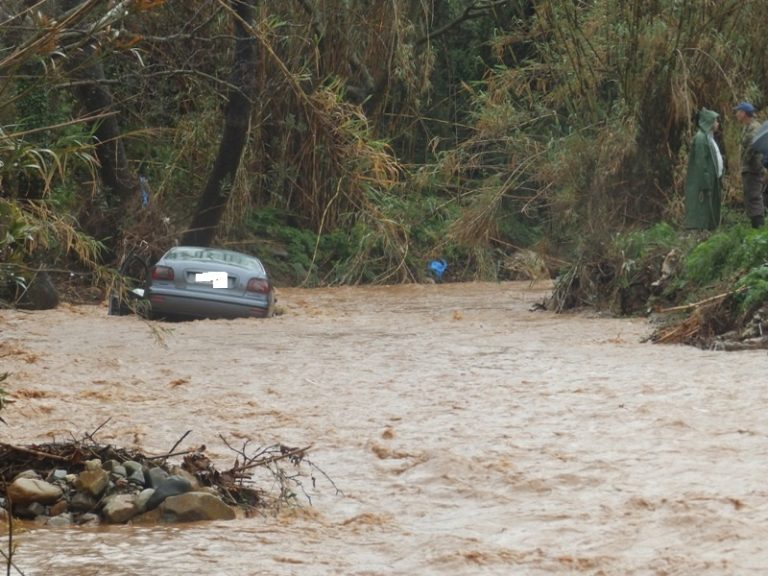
column 162, row 273
column 259, row 285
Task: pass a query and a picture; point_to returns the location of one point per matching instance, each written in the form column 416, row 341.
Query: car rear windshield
column 211, row 254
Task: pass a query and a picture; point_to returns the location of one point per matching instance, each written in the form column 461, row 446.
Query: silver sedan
column 196, row 282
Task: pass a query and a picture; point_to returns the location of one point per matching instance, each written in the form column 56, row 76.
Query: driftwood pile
column 713, row 324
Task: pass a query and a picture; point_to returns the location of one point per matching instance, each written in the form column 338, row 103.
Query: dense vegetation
column 349, row 142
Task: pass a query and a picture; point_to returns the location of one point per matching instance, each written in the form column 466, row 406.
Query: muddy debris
column 85, row 483
column 715, row 322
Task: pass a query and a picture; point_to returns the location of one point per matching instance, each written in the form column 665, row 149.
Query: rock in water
column 28, row 490
column 171, row 486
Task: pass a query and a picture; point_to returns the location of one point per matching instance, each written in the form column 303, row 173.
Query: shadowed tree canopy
column 357, row 140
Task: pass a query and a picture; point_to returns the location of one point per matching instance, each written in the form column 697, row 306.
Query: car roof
column 198, row 253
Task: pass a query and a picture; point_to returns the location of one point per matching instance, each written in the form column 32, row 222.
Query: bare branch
column 474, row 10
column 99, row 427
column 37, row 453
column 180, row 440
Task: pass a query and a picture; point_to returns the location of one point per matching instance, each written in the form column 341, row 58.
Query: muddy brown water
column 468, row 435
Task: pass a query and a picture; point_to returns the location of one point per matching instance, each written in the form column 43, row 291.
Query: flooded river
column 466, row 434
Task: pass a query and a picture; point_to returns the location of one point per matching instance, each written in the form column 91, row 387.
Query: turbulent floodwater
column 467, row 435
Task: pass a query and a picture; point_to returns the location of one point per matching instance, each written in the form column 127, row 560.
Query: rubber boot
column 757, row 221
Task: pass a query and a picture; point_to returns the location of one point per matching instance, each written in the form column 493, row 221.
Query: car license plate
column 214, row 279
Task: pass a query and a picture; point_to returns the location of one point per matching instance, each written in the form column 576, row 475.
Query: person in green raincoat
column 705, row 169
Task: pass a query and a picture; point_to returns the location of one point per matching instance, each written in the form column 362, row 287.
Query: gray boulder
column 60, row 521
column 171, row 486
column 40, row 293
column 92, row 482
column 28, row 490
column 119, row 508
column 89, row 519
column 156, row 476
column 82, row 502
column 143, row 498
column 195, row 506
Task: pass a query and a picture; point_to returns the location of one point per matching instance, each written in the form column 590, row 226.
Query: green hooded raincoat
column 702, row 183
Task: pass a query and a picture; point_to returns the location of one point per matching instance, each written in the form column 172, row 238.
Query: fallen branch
column 35, row 452
column 172, row 454
column 179, row 441
column 294, row 454
column 704, row 302
column 679, row 333
column 99, row 427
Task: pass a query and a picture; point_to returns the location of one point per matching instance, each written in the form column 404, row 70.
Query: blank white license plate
column 214, row 279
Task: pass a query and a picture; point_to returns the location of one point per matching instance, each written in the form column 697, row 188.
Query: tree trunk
column 97, row 99
column 213, row 200
column 91, row 91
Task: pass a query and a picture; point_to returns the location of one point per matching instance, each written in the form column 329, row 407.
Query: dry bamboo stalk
column 703, row 302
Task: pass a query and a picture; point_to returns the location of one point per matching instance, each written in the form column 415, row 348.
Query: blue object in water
column 437, row 267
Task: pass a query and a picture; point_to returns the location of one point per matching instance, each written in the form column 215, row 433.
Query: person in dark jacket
column 751, row 165
column 703, row 179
